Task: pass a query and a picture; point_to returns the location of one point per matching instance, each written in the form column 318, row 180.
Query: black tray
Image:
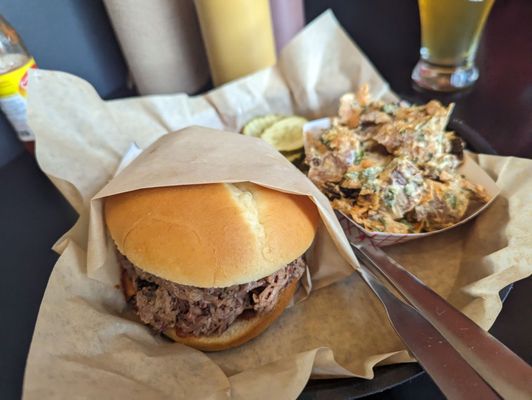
column 390, row 376
column 34, row 210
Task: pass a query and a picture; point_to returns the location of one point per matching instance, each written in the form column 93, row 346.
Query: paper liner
column 198, row 155
column 357, row 232
column 86, row 342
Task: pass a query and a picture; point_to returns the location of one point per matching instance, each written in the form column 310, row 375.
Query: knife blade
column 451, row 373
column 508, row 374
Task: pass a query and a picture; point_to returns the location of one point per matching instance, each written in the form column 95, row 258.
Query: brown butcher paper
column 87, row 343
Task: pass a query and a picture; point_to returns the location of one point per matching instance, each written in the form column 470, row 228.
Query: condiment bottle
column 168, row 55
column 15, row 61
column 288, row 18
column 238, row 37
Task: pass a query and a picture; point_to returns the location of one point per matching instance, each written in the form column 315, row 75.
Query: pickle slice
column 286, row 134
column 257, row 125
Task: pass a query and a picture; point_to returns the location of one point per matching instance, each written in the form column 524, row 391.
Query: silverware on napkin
column 460, row 356
column 451, row 373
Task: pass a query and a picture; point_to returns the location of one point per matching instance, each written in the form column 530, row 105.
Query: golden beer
column 450, row 32
column 450, row 29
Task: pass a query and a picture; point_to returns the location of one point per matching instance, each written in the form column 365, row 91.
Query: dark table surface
column 33, row 215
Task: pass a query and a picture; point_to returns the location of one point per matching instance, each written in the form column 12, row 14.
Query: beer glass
column 450, row 32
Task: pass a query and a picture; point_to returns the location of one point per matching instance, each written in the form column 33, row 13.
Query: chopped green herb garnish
column 389, row 108
column 382, row 221
column 389, row 196
column 452, row 200
column 359, row 155
column 325, row 141
column 372, row 172
column 407, row 223
column 353, row 176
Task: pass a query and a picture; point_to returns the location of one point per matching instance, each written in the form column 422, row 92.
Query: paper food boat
column 355, row 232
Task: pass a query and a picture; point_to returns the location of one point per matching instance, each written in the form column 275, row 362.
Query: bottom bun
column 240, row 331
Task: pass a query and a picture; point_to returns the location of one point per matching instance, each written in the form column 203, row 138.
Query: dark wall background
column 69, row 35
column 398, row 39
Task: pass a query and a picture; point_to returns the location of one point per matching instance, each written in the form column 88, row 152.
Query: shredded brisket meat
column 195, row 311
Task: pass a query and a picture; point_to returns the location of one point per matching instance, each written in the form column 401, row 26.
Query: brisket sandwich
column 210, row 266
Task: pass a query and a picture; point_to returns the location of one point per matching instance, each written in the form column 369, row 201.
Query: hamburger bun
column 212, row 235
column 241, row 330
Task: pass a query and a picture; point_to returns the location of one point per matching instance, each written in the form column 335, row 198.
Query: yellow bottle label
column 16, row 82
column 13, row 87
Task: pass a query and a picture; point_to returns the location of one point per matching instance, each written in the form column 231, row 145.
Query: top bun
column 214, row 235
